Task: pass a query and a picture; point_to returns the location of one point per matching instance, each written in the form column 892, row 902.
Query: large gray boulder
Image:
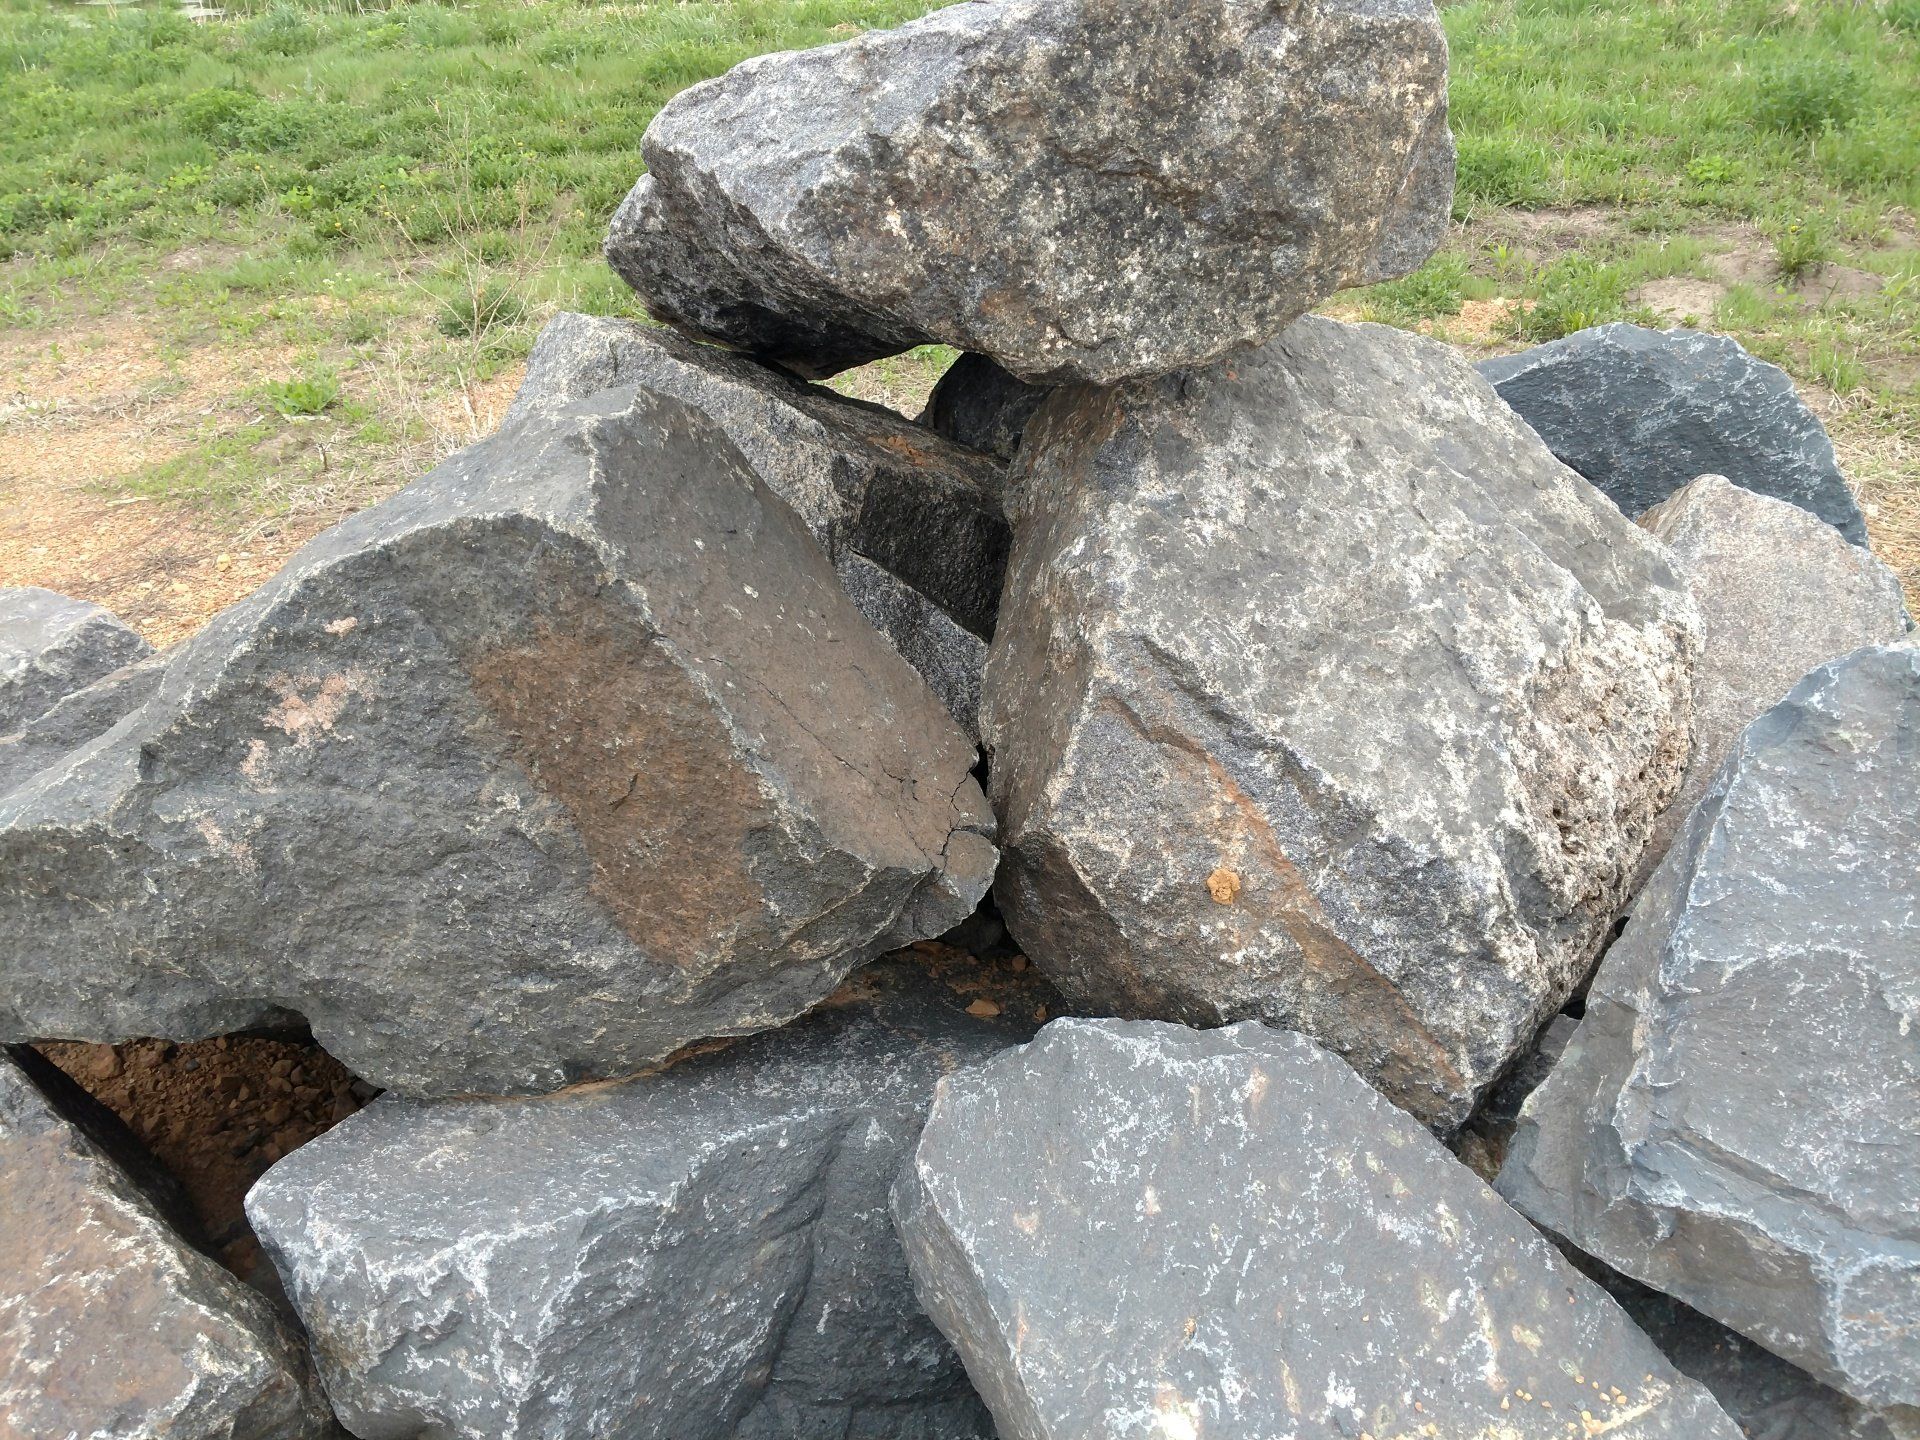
column 698, row 1253
column 1641, row 412
column 51, row 646
column 977, row 403
column 1134, row 1231
column 113, row 1327
column 1737, row 1120
column 1779, row 592
column 570, row 753
column 1323, row 695
column 1080, row 189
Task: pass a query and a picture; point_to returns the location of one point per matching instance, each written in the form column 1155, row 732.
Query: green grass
column 403, row 191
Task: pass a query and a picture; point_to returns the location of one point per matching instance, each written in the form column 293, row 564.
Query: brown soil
column 216, row 1114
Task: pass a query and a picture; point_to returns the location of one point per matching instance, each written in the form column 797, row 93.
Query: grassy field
column 259, row 269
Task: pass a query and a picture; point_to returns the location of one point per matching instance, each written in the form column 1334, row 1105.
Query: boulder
column 866, row 480
column 1641, row 412
column 969, row 178
column 947, row 655
column 1779, row 592
column 111, row 1325
column 1134, row 1231
column 978, row 404
column 1737, row 1120
column 700, row 1252
column 51, row 646
column 568, row 754
column 1323, row 695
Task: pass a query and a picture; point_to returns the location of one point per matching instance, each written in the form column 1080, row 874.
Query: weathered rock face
column 1761, row 1393
column 570, row 753
column 865, row 480
column 978, row 404
column 1779, row 592
column 51, row 646
column 700, row 1252
column 72, row 721
column 947, row 655
column 970, row 178
column 1641, row 412
column 1324, row 695
column 111, row 1326
column 1132, row 1230
column 1737, row 1120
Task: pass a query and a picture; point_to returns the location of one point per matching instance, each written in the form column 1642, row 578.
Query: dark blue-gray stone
column 51, row 646
column 700, row 1253
column 1134, row 1231
column 1737, row 1120
column 1641, row 412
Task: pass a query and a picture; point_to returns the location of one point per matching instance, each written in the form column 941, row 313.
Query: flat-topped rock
column 1133, row 1231
column 1324, row 695
column 1779, row 592
column 111, row 1325
column 568, row 754
column 1642, row 412
column 1080, row 189
column 51, row 646
column 700, row 1252
column 1737, row 1120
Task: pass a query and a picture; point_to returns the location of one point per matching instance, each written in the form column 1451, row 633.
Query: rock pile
column 600, row 795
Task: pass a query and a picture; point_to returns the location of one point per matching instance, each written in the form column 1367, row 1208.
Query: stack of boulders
column 1313, row 705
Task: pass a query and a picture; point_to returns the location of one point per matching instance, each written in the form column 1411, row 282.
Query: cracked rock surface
column 1323, row 695
column 113, row 1327
column 1737, row 1120
column 700, row 1253
column 1080, row 189
column 51, row 646
column 570, row 753
column 1779, row 592
column 1132, row 1231
column 1641, row 412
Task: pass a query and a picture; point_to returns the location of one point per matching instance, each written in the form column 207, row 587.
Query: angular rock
column 864, row 479
column 1482, row 1142
column 570, row 753
column 1737, row 1120
column 1761, row 1393
column 981, row 406
column 111, row 1325
column 1642, row 412
column 1133, row 1231
column 1323, row 695
column 973, row 178
column 700, row 1252
column 72, row 721
column 51, row 646
column 1779, row 592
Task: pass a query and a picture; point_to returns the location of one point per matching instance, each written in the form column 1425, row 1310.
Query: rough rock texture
column 51, row 646
column 1080, row 189
column 865, row 480
column 1482, row 1142
column 1324, row 695
column 77, row 718
column 1737, row 1120
column 701, row 1252
column 948, row 656
column 1779, row 593
column 1761, row 1393
column 1133, row 1231
column 111, row 1326
column 570, row 753
column 1641, row 412
column 978, row 404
